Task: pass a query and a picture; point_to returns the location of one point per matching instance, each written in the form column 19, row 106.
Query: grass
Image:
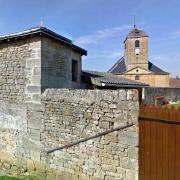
column 9, row 178
column 18, row 178
column 176, row 105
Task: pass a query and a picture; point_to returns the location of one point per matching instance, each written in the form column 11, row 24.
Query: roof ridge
column 44, row 30
column 19, row 32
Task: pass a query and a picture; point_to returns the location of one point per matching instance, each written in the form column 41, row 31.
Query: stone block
column 110, row 168
column 131, row 175
column 112, row 106
column 128, row 139
column 36, row 107
column 133, row 152
column 121, row 171
column 128, row 163
column 34, row 135
column 30, row 63
column 35, row 155
column 30, row 165
column 35, row 121
column 37, row 71
column 33, row 89
column 36, row 80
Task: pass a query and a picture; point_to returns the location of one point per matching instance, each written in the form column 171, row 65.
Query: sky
column 100, row 26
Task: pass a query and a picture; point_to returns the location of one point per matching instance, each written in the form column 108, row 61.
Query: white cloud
column 100, row 34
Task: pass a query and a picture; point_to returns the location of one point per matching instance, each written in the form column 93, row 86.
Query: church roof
column 136, row 33
column 120, row 67
column 41, row 30
column 107, row 79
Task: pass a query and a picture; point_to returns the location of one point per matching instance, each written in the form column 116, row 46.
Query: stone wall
column 29, row 66
column 16, row 60
column 64, row 116
column 57, row 65
column 170, row 94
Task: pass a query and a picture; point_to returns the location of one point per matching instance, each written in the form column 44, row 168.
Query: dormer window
column 137, row 44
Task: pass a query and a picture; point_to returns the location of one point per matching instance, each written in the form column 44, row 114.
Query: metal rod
column 159, row 120
column 89, row 138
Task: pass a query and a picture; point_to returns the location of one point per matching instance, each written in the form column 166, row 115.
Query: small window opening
column 74, row 70
column 137, row 43
column 137, row 77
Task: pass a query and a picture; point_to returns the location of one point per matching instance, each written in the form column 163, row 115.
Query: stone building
column 36, row 59
column 37, row 115
column 135, row 64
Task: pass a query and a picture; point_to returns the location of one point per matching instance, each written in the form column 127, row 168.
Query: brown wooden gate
column 159, row 143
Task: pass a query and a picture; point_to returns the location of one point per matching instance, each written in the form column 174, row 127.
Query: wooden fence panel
column 159, row 143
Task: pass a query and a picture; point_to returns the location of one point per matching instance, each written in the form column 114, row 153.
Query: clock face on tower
column 137, row 51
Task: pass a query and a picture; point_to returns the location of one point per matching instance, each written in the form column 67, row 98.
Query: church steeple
column 136, row 49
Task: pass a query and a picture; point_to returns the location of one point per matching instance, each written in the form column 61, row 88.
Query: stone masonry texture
column 16, row 60
column 28, row 130
column 29, row 66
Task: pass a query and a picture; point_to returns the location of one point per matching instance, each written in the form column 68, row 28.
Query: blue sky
column 100, row 26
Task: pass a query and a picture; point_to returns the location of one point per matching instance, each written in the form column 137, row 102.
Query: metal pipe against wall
column 92, row 137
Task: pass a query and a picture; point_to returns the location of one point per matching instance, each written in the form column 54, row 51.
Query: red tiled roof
column 175, row 82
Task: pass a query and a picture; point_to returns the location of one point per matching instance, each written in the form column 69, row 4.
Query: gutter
column 123, row 85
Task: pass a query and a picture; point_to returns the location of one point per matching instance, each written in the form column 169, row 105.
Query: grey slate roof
column 137, row 33
column 107, row 79
column 155, row 69
column 44, row 31
column 119, row 67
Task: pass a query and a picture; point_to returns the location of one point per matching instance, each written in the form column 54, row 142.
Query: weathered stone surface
column 16, row 63
column 65, row 116
column 29, row 66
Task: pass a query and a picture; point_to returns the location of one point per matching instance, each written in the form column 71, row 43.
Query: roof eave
column 77, row 48
column 124, row 85
column 105, row 84
column 47, row 33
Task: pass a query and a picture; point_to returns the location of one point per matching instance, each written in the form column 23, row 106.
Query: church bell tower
column 136, row 49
